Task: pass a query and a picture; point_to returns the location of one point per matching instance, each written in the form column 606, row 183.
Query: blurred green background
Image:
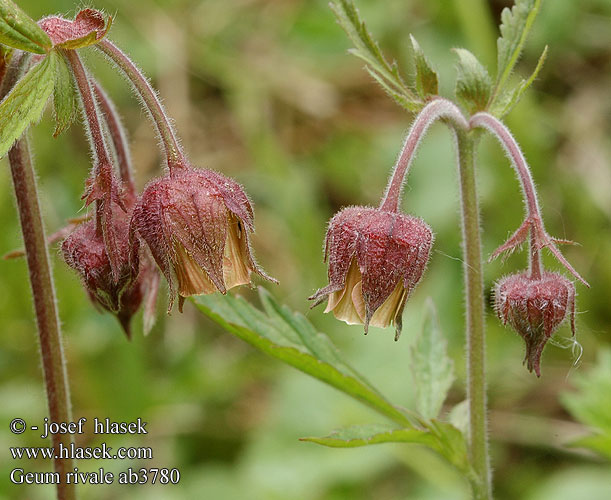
column 264, row 91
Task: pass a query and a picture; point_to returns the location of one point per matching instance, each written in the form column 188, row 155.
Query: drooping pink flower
column 196, row 223
column 376, row 258
column 84, row 251
column 535, row 308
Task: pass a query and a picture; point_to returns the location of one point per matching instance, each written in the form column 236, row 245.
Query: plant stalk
column 472, row 258
column 437, row 109
column 41, row 281
column 174, row 153
column 119, row 139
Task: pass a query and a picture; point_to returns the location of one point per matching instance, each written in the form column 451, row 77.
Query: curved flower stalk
column 535, row 302
column 533, row 221
column 377, row 256
column 175, row 156
column 194, row 221
column 103, row 187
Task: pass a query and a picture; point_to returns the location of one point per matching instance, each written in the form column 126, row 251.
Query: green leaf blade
column 20, row 31
column 438, row 436
column 365, row 435
column 591, row 404
column 427, row 81
column 473, row 83
column 432, row 369
column 25, row 102
column 515, row 26
column 65, row 97
column 267, row 332
column 367, row 49
column 507, row 100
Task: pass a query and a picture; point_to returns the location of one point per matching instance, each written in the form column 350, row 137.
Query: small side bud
column 84, row 251
column 535, row 308
column 89, row 27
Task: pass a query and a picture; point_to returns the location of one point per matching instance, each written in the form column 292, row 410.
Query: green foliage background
column 264, row 91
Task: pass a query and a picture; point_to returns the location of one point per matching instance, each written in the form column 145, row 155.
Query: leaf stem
column 174, row 153
column 437, row 109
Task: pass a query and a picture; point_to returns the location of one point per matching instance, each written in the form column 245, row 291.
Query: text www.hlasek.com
column 82, row 453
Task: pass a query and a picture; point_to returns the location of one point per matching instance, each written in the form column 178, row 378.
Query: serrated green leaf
column 508, row 99
column 401, row 99
column 290, row 337
column 591, row 404
column 20, row 31
column 473, row 83
column 65, row 97
column 515, row 26
column 432, row 369
column 427, row 82
column 385, row 73
column 438, row 436
column 25, row 102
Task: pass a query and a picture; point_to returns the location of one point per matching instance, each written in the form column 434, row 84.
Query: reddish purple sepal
column 88, row 27
column 84, row 251
column 535, row 308
column 196, row 224
column 389, row 248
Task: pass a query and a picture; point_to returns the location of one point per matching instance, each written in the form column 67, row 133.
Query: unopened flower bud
column 87, row 28
column 196, row 224
column 85, row 252
column 376, row 258
column 535, row 308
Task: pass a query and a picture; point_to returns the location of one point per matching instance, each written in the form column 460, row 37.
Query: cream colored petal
column 388, row 310
column 341, row 303
column 358, row 301
column 235, row 259
column 192, row 279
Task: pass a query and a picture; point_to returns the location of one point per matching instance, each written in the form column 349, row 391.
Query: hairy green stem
column 442, row 109
column 41, row 281
column 472, row 257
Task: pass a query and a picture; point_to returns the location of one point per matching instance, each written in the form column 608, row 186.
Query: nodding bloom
column 196, row 224
column 535, row 308
column 85, row 252
column 376, row 258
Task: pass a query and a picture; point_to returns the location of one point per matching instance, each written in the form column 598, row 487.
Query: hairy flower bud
column 88, row 27
column 196, row 224
column 535, row 308
column 376, row 258
column 85, row 252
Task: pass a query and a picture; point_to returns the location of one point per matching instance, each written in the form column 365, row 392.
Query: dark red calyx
column 376, row 258
column 196, row 223
column 535, row 308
